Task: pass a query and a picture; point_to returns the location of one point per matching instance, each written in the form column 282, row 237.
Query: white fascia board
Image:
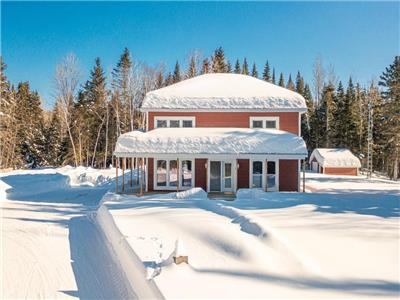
column 193, row 110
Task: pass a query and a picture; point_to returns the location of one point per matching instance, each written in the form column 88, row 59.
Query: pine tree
column 338, row 117
column 281, row 81
column 192, row 71
column 306, row 119
column 326, row 109
column 266, row 74
column 254, row 72
column 299, row 84
column 245, row 67
column 169, row 80
column 273, row 76
column 290, row 84
column 228, row 67
column 237, row 69
column 159, row 79
column 205, row 68
column 55, row 145
column 218, row 61
column 176, row 77
column 390, row 82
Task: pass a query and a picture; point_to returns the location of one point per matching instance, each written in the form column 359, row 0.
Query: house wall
column 341, row 171
column 288, row 175
column 288, row 121
column 243, row 174
column 200, row 171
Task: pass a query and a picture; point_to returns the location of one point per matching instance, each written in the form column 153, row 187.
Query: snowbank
column 195, row 193
column 130, row 262
column 235, row 141
column 87, row 176
column 224, row 92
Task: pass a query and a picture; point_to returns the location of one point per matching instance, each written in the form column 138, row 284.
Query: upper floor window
column 264, row 122
column 174, row 122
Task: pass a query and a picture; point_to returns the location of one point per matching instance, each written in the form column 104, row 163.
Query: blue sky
column 359, row 39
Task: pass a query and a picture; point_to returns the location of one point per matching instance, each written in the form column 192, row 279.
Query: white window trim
column 174, row 118
column 263, row 119
column 264, row 174
column 168, row 187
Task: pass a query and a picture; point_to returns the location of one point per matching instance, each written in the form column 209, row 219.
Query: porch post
column 131, row 183
column 116, row 175
column 123, row 174
column 177, row 174
column 141, row 176
column 304, row 175
column 266, row 175
column 137, row 170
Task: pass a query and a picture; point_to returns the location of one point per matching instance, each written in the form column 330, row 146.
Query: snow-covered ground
column 50, row 248
column 340, row 242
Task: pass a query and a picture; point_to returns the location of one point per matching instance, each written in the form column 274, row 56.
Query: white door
column 227, row 177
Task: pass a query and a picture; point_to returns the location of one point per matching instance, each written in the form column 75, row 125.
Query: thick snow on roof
column 210, row 141
column 221, row 91
column 335, row 157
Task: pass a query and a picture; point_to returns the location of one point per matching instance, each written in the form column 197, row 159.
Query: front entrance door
column 221, row 176
column 215, row 176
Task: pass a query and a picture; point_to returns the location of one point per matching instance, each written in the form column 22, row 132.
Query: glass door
column 215, row 176
column 227, row 182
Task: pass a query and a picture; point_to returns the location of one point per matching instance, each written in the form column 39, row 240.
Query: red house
column 220, row 132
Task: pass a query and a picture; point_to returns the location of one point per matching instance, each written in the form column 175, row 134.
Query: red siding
column 200, row 173
column 243, row 174
column 341, row 171
column 288, row 175
column 288, row 121
column 150, row 175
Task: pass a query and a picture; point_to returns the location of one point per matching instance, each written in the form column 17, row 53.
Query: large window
column 168, row 174
column 271, row 175
column 264, row 122
column 174, row 122
column 257, row 174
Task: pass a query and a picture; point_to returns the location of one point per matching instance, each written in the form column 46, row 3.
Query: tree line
column 88, row 117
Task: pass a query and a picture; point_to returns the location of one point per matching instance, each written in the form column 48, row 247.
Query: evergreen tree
column 306, row 119
column 281, row 81
column 205, row 68
column 159, row 79
column 228, row 67
column 266, row 74
column 254, row 72
column 169, row 80
column 237, row 69
column 390, row 82
column 290, row 84
column 299, row 84
column 176, row 77
column 192, row 71
column 326, row 109
column 55, row 143
column 218, row 61
column 273, row 76
column 245, row 67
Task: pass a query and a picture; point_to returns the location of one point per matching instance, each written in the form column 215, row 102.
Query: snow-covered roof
column 222, row 141
column 222, row 92
column 335, row 158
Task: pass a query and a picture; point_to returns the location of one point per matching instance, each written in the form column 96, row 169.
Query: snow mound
column 195, row 193
column 87, row 176
column 221, row 91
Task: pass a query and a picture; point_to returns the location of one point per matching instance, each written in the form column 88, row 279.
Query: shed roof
column 218, row 141
column 222, row 92
column 335, row 158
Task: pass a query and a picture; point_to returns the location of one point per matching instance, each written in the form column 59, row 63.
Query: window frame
column 264, row 119
column 174, row 118
column 264, row 174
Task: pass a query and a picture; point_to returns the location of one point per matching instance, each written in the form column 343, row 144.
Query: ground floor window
column 271, row 175
column 257, row 174
column 169, row 173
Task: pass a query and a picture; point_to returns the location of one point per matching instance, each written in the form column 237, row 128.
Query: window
column 161, row 123
column 161, row 173
column 264, row 122
column 257, row 175
column 257, row 124
column 271, row 175
column 169, row 174
column 174, row 122
column 173, row 173
column 186, row 172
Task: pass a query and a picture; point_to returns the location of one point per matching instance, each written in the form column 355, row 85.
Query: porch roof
column 204, row 142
